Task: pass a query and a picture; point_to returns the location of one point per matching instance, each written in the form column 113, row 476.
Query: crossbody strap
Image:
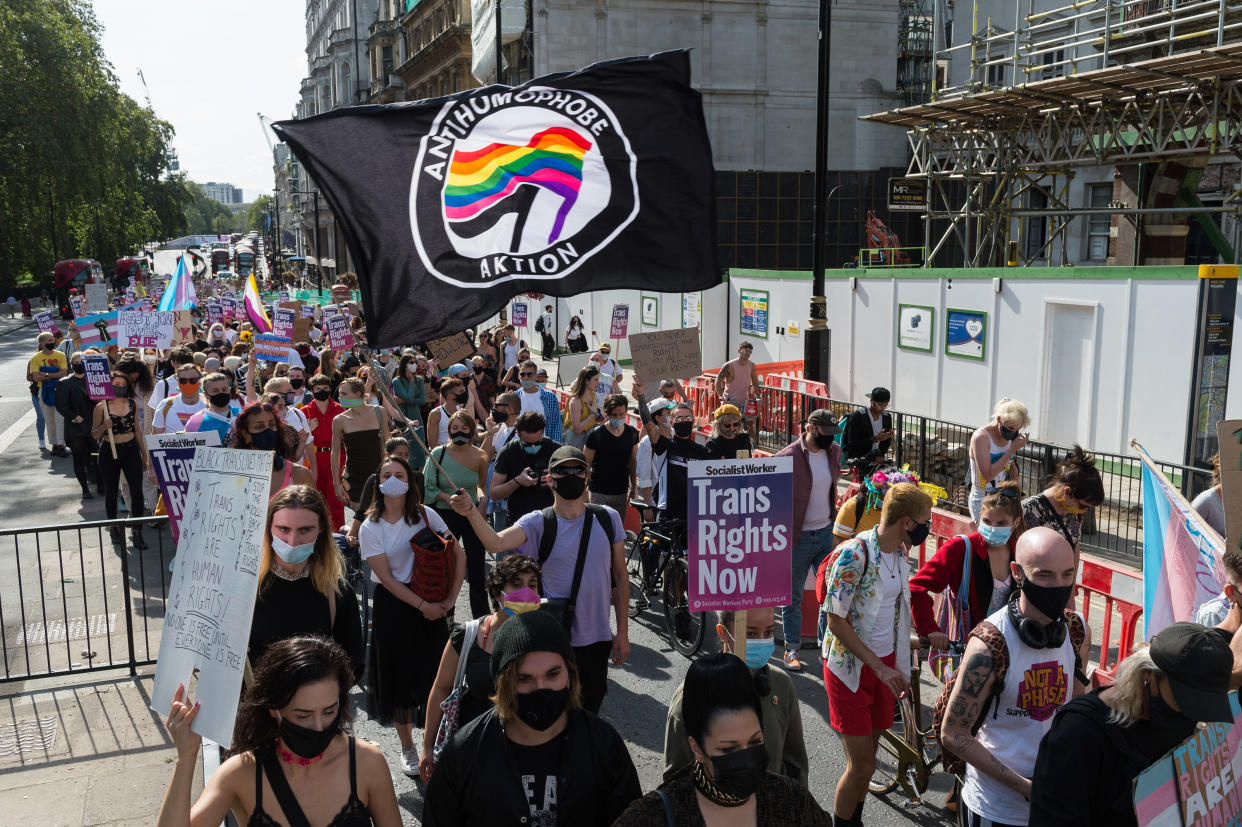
column 668, row 808
column 963, row 596
column 472, row 632
column 284, row 794
column 579, row 565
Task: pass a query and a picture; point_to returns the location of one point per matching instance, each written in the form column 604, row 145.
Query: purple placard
column 282, row 322
column 228, row 306
column 46, row 322
column 339, row 335
column 741, row 533
column 308, row 311
column 172, row 457
column 620, row 321
column 214, row 312
column 519, row 314
column 98, row 376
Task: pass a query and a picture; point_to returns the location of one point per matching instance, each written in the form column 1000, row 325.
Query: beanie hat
column 536, row 631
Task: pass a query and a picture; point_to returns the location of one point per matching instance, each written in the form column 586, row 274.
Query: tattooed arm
column 971, row 690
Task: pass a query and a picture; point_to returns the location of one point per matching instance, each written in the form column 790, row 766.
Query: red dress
column 321, row 429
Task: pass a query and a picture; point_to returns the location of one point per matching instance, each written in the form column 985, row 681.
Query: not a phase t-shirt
column 591, row 623
column 610, row 473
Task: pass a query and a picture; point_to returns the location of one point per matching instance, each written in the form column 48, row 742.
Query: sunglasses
column 527, row 375
column 573, row 470
column 730, row 426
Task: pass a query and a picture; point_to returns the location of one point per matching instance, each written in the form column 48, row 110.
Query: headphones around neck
column 1033, row 633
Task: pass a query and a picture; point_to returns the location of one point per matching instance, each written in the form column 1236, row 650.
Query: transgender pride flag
column 1181, row 553
column 179, row 295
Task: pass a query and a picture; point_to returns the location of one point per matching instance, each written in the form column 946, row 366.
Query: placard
column 741, row 533
column 651, row 311
column 282, row 322
column 301, row 329
column 518, row 317
column 666, row 354
column 271, row 348
column 214, row 584
column 308, row 311
column 96, row 297
column 620, row 321
column 172, row 456
column 98, row 376
column 339, row 335
column 77, row 305
column 284, row 295
column 754, row 321
column 214, row 312
column 965, row 333
column 46, row 321
column 145, row 328
column 915, row 323
column 228, row 305
column 449, row 349
column 183, row 327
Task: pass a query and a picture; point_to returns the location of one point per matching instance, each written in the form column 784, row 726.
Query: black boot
column 118, row 535
column 86, row 493
column 138, row 542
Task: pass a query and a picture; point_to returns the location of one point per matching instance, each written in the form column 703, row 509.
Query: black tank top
column 353, row 814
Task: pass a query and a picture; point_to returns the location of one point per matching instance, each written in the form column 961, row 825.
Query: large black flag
column 589, row 180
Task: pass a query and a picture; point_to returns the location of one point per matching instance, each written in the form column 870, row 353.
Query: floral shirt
column 851, row 592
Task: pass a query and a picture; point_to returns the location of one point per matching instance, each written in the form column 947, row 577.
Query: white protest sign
column 97, row 298
column 214, row 583
column 145, row 328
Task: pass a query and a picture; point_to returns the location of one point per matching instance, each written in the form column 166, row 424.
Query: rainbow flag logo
column 487, row 183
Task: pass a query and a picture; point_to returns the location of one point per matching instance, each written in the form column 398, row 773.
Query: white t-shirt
column 164, row 388
column 174, row 416
column 377, row 537
column 877, row 425
column 531, row 401
column 879, row 638
column 819, row 507
column 547, row 325
column 509, row 355
column 501, row 437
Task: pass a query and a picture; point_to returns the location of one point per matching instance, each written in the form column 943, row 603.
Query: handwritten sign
column 301, row 330
column 449, row 349
column 97, row 297
column 214, row 584
column 282, row 322
column 339, row 335
column 519, row 314
column 144, row 328
column 741, row 533
column 183, row 327
column 46, row 322
column 172, row 456
column 666, row 354
column 271, row 348
column 98, row 376
column 620, row 321
column 77, row 304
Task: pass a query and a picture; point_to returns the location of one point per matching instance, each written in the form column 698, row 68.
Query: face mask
column 350, row 403
column 758, row 651
column 479, row 370
column 532, row 449
column 307, row 743
column 822, row 442
column 617, row 423
column 996, row 535
column 918, row 534
column 519, row 601
column 1007, row 434
column 293, row 555
column 188, row 387
column 461, row 398
column 542, row 708
column 459, row 439
column 49, row 346
column 739, row 774
column 1166, row 717
column 219, row 400
column 264, row 440
column 1051, row 600
column 683, row 429
column 529, row 384
column 288, row 398
column 297, row 383
column 120, row 391
column 79, row 369
column 570, row 488
column 410, row 370
column 394, row 487
column 499, row 416
column 322, row 395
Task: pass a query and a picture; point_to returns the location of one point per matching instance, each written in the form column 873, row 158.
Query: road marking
column 58, row 631
column 15, row 430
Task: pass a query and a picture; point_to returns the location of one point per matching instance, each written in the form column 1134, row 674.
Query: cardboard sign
column 172, row 456
column 301, row 329
column 519, row 314
column 214, row 584
column 1229, row 443
column 271, row 348
column 46, row 322
column 183, row 327
column 144, row 328
column 666, row 354
column 98, row 376
column 741, row 533
column 620, row 321
column 282, row 322
column 449, row 349
column 339, row 335
column 96, row 297
column 77, row 305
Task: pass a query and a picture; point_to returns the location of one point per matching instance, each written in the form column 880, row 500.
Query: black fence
column 939, row 452
column 73, row 601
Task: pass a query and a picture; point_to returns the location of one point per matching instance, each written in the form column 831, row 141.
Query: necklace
column 291, row 758
column 284, row 575
column 892, row 572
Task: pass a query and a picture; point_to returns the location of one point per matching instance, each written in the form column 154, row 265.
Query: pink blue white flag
column 179, row 295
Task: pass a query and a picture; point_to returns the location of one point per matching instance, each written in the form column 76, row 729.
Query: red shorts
column 868, row 710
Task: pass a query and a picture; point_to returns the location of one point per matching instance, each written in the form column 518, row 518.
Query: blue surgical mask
column 759, row 651
column 996, row 535
column 293, row 555
column 531, row 449
column 264, row 440
column 617, row 423
column 529, row 384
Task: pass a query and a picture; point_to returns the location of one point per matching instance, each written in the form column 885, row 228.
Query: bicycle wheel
column 634, row 566
column 896, row 749
column 685, row 628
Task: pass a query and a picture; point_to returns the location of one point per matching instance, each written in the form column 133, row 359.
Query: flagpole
column 1173, row 490
column 387, row 395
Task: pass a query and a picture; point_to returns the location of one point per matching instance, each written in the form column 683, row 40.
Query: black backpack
column 539, row 324
column 549, row 529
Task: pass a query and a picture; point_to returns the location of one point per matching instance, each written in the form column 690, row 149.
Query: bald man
column 1043, row 672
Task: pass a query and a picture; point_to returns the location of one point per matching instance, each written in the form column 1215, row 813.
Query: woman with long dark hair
column 575, row 335
column 115, row 423
column 464, row 469
column 410, row 389
column 257, row 428
column 293, row 752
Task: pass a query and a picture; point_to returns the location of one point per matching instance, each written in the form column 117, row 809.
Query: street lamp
column 816, row 355
column 318, row 267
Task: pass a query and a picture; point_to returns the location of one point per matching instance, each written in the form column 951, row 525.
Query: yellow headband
column 726, row 410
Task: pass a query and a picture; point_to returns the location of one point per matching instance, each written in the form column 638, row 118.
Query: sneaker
column 42, row 445
column 60, row 451
column 791, row 661
column 409, row 761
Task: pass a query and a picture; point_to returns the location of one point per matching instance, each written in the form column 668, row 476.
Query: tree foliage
column 206, row 216
column 257, row 215
column 82, row 166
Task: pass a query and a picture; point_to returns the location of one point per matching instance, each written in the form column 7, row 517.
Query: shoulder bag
column 450, row 707
column 953, row 618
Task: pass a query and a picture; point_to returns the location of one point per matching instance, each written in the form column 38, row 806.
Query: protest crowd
column 431, row 471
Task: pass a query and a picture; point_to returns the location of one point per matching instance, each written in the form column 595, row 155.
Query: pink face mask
column 519, row 601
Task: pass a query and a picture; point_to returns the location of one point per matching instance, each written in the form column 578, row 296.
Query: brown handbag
column 435, row 563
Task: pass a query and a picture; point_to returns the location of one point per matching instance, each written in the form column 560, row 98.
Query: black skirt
column 405, row 655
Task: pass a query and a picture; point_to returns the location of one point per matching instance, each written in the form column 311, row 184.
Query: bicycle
column 908, row 750
column 656, row 563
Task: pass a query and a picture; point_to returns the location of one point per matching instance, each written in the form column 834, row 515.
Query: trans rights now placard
column 741, row 533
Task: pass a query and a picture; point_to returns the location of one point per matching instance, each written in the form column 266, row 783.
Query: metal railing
column 73, row 601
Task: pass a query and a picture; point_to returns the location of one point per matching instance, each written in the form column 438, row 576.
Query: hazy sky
column 211, row 67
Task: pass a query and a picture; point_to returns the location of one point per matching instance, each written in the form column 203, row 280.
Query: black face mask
column 683, row 429
column 297, row 383
column 570, row 488
column 1166, row 717
column 478, row 370
column 461, row 398
column 79, row 369
column 1051, row 600
column 738, row 775
column 219, row 400
column 322, row 395
column 459, row 439
column 1007, row 434
column 822, row 442
column 120, row 391
column 307, row 743
column 499, row 416
column 541, row 709
column 918, row 534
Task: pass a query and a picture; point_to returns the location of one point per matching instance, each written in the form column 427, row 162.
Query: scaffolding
column 1100, row 82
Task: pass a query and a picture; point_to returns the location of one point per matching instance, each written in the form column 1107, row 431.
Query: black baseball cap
column 825, row 421
column 565, row 455
column 1198, row 663
column 879, row 394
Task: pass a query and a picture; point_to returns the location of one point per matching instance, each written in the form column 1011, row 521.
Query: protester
column 510, row 346
column 1214, row 612
column 575, row 336
column 677, row 452
column 609, row 366
column 519, row 477
column 359, row 432
column 650, row 469
column 582, row 411
column 297, row 381
column 76, row 407
column 513, row 587
column 486, row 349
column 258, row 429
column 781, row 714
column 738, row 379
column 538, row 757
column 546, row 330
column 1209, row 504
column 114, row 424
column 302, row 590
column 539, row 400
column 862, row 511
column 500, row 431
column 410, row 390
column 728, row 440
column 579, row 569
column 174, row 413
column 729, row 781
column 611, row 452
column 454, row 397
column 167, row 384
column 870, row 432
column 408, row 631
column 45, row 368
column 511, row 381
column 992, row 451
column 320, row 413
column 222, row 408
column 294, row 727
column 1042, row 671
column 1076, row 487
column 1099, row 743
column 816, row 469
column 457, row 467
column 139, row 374
column 395, row 447
column 279, row 393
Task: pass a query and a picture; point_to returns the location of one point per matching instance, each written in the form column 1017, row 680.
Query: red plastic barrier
column 1122, row 593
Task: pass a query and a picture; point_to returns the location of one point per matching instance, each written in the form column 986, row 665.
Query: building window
column 1053, row 71
column 1035, row 229
column 1098, row 195
column 996, row 74
column 387, row 61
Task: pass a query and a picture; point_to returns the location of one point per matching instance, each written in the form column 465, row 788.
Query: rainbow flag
column 179, row 295
column 552, row 159
column 254, row 306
